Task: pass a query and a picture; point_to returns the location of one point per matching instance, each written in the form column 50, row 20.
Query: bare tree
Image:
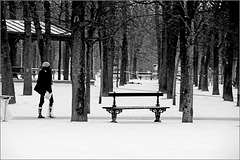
column 27, row 88
column 238, row 85
column 12, row 42
column 216, row 65
column 105, row 31
column 79, row 108
column 124, row 61
column 182, row 57
column 162, row 75
column 66, row 54
column 136, row 37
column 89, row 53
column 187, row 13
column 216, row 48
column 231, row 46
column 205, row 64
column 47, row 48
column 172, row 38
column 6, row 69
column 159, row 37
column 38, row 29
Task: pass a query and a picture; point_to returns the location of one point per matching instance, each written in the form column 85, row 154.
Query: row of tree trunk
column 178, row 24
column 190, row 32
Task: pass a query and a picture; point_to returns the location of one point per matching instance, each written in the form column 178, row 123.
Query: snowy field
column 213, row 134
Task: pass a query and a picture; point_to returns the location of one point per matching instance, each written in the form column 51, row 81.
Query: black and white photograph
column 127, row 79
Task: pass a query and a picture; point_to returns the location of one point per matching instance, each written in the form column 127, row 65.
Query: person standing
column 44, row 85
column 210, row 76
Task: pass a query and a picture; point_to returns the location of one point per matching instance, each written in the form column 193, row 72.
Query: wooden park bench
column 19, row 71
column 145, row 75
column 114, row 109
column 16, row 70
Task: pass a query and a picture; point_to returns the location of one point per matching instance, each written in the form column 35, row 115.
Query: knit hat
column 45, row 64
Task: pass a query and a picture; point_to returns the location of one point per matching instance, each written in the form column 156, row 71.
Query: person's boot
column 40, row 112
column 50, row 112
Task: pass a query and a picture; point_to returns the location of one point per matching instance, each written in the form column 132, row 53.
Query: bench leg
column 157, row 114
column 114, row 116
column 114, row 113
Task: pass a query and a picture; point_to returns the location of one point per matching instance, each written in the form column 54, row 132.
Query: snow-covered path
column 213, row 134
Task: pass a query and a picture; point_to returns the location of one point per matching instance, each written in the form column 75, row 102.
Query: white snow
column 213, row 134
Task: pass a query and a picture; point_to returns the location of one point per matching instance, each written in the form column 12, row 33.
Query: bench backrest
column 17, row 69
column 135, row 94
column 114, row 95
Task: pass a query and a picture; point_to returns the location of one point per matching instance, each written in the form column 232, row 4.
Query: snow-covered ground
column 213, row 134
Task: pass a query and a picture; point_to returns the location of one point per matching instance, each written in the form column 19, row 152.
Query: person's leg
column 50, row 106
column 40, row 106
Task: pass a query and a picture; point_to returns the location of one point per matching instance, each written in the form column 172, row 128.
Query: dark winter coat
column 44, row 82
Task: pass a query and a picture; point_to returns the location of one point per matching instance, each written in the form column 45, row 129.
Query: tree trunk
column 110, row 63
column 59, row 59
column 105, row 67
column 101, row 59
column 47, row 52
column 232, row 45
column 228, row 63
column 238, row 96
column 205, row 69
column 215, row 65
column 107, row 70
column 13, row 48
column 66, row 58
column 12, row 9
column 195, row 66
column 175, row 77
column 38, row 29
column 172, row 44
column 79, row 109
column 66, row 54
column 124, row 61
column 60, row 45
column 238, row 83
column 172, row 38
column 117, row 59
column 134, row 66
column 201, row 73
column 93, row 64
column 88, row 72
column 188, row 84
column 159, row 40
column 163, row 67
column 6, row 69
column 183, row 50
column 13, row 51
column 27, row 50
column 187, row 88
column 112, row 20
column 89, row 43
